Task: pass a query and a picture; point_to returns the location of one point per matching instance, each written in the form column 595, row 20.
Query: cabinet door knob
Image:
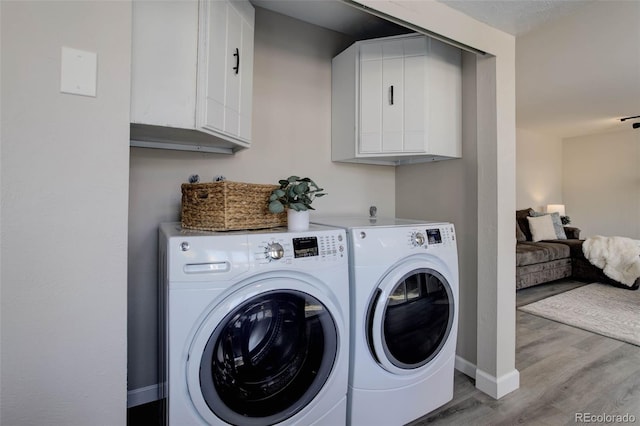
column 237, row 55
column 391, row 95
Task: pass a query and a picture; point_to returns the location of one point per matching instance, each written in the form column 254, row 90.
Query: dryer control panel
column 440, row 236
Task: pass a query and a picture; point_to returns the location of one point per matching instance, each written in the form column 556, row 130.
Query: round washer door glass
column 268, row 358
column 416, row 320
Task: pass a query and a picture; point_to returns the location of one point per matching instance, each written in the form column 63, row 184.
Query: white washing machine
column 404, row 317
column 256, row 326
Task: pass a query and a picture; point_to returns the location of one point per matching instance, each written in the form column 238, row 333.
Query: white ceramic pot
column 297, row 221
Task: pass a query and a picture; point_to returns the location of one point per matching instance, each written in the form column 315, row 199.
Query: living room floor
column 565, row 373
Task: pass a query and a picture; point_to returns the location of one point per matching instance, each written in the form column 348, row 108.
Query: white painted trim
column 465, row 367
column 497, row 387
column 143, row 395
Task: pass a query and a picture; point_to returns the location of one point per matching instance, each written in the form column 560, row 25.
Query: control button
column 363, row 235
column 275, row 251
column 417, row 239
column 184, row 246
column 339, row 237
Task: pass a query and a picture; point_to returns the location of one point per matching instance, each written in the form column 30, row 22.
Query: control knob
column 275, row 251
column 417, row 239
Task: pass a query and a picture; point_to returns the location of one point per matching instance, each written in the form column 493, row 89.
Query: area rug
column 599, row 308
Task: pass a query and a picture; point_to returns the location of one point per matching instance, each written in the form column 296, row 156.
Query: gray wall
column 68, row 294
column 279, row 144
column 64, row 190
column 448, row 191
column 601, row 183
column 291, row 135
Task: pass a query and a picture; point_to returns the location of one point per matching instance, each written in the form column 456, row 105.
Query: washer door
column 266, row 358
column 410, row 317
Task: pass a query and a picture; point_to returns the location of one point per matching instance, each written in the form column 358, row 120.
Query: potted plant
column 295, row 195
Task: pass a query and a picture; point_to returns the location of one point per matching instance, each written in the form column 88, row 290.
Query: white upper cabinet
column 227, row 72
column 192, row 75
column 396, row 100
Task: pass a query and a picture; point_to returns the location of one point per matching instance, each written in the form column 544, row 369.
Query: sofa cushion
column 521, row 220
column 557, row 223
column 519, row 234
column 529, row 253
column 541, row 228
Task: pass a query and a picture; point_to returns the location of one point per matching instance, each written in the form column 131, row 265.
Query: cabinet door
column 163, row 66
column 245, row 106
column 416, row 96
column 370, row 118
column 226, row 82
column 392, row 104
column 381, row 97
column 445, row 133
column 215, row 80
column 392, row 95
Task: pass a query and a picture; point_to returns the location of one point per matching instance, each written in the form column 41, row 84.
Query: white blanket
column 618, row 257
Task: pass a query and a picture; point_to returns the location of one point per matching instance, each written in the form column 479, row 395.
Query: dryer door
column 410, row 316
column 266, row 358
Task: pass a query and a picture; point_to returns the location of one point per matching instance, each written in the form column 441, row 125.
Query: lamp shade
column 556, row 208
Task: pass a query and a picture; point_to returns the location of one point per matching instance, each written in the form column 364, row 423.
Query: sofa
column 543, row 260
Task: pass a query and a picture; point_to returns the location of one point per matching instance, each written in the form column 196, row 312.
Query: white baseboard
column 497, row 387
column 465, row 367
column 143, row 395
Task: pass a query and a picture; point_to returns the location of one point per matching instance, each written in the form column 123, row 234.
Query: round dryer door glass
column 418, row 316
column 268, row 358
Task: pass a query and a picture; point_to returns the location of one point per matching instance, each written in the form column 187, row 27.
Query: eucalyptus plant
column 295, row 193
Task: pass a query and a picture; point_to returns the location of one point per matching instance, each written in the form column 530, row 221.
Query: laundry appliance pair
column 353, row 321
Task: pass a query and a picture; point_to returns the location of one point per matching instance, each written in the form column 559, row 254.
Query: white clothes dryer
column 256, row 326
column 404, row 317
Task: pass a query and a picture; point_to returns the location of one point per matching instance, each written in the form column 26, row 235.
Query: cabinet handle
column 237, row 55
column 391, row 95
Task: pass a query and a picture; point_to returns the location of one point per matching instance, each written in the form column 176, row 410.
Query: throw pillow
column 557, row 224
column 541, row 228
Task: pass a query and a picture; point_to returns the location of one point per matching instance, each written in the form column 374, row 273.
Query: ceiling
column 517, row 17
column 578, row 61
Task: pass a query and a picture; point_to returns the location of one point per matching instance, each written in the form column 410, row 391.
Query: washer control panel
column 294, row 249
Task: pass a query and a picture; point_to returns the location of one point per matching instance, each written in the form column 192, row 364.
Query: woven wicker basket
column 226, row 206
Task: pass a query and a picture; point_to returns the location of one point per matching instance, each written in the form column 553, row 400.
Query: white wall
column 292, row 135
column 601, row 183
column 538, row 171
column 64, row 216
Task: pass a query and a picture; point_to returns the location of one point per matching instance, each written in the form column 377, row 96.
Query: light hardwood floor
column 564, row 371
